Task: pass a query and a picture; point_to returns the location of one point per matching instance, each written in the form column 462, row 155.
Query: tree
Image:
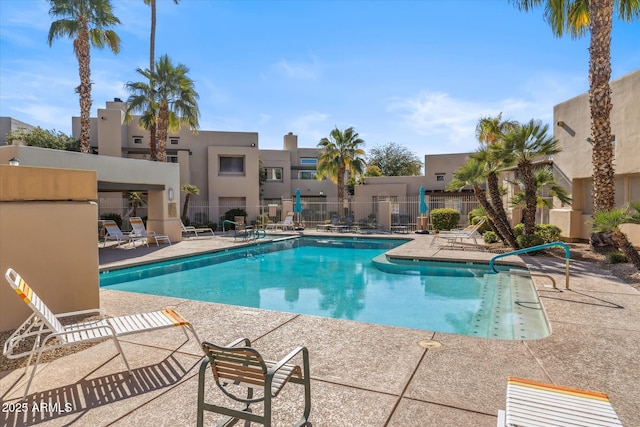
column 574, row 17
column 542, row 178
column 610, row 221
column 169, row 101
column 523, row 146
column 472, row 174
column 191, row 190
column 87, row 21
column 135, row 200
column 490, row 132
column 372, row 170
column 395, row 160
column 340, row 153
column 151, row 125
column 42, row 138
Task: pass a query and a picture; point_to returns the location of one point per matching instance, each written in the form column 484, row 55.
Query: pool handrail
column 567, row 255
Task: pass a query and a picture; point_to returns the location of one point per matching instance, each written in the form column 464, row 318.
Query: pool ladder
column 567, row 255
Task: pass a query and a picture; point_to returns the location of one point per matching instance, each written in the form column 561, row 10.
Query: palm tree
column 151, row 126
column 472, row 174
column 574, row 17
column 87, row 21
column 524, row 145
column 490, row 131
column 191, row 190
column 169, row 101
column 610, row 221
column 143, row 100
column 340, row 153
column 543, row 178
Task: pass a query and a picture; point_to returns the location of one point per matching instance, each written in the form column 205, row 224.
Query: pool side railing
column 567, row 255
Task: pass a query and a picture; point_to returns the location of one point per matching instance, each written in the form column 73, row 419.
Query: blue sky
column 417, row 73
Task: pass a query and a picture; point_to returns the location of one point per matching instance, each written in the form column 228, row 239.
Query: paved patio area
column 362, row 374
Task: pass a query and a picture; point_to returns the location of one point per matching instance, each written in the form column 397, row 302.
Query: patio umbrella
column 423, row 210
column 298, row 205
column 423, row 205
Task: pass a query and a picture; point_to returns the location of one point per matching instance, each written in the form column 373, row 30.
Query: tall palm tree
column 472, row 174
column 152, row 54
column 524, row 145
column 88, row 22
column 575, row 17
column 169, row 101
column 340, row 153
column 490, row 131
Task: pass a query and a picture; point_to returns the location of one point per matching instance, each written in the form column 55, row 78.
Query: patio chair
column 345, row 226
column 139, row 230
column 46, row 326
column 402, row 226
column 238, row 369
column 470, row 232
column 531, row 403
column 113, row 232
column 329, row 226
column 286, row 224
column 186, row 229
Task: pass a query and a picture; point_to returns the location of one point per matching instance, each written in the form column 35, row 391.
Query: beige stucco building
column 572, row 128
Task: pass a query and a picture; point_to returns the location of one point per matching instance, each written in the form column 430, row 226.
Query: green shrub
column 230, row 216
column 113, row 216
column 548, row 232
column 263, row 220
column 444, row 219
column 490, row 237
column 518, row 229
column 475, row 216
column 525, row 241
column 617, row 257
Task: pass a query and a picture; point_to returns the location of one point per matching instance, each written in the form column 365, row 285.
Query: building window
column 307, row 175
column 273, row 174
column 439, row 177
column 174, row 141
column 172, row 159
column 137, row 140
column 231, row 165
column 308, row 161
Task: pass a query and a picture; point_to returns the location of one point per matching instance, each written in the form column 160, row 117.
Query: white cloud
column 298, row 70
column 310, row 128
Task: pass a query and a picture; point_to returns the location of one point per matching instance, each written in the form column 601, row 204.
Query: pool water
column 349, row 279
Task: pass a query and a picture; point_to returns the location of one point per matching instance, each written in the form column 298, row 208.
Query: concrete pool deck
column 362, row 374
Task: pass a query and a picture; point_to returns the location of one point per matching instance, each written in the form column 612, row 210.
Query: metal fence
column 317, row 210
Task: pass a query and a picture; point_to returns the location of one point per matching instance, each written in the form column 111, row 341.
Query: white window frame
column 174, row 141
column 270, row 174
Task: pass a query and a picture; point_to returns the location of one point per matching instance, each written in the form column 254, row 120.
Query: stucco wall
column 48, row 233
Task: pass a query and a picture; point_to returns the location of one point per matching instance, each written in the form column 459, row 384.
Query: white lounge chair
column 113, row 232
column 46, row 326
column 531, row 403
column 470, row 232
column 186, row 229
column 139, row 230
column 286, row 224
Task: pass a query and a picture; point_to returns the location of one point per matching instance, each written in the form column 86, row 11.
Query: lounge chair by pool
column 46, row 326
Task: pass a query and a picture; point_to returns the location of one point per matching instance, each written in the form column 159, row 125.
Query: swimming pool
column 349, row 278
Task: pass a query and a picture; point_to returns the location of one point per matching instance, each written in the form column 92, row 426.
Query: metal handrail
column 567, row 255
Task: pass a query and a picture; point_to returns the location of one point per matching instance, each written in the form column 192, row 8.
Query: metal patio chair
column 238, row 368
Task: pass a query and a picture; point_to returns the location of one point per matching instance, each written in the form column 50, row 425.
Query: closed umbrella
column 297, row 208
column 423, row 210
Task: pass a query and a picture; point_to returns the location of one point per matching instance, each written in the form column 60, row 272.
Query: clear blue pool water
column 349, row 278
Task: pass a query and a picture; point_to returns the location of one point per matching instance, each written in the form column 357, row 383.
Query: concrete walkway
column 362, row 374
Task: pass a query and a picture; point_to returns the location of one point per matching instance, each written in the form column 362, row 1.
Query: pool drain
column 429, row 344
